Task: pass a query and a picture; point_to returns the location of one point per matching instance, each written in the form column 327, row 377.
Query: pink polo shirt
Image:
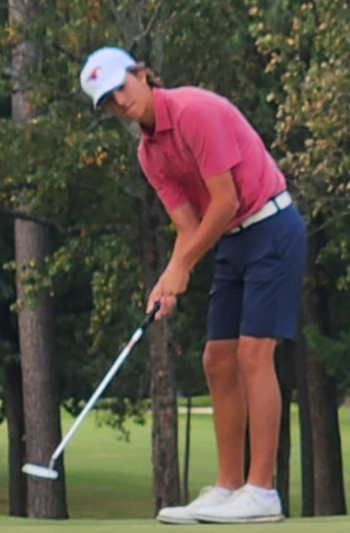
column 198, row 135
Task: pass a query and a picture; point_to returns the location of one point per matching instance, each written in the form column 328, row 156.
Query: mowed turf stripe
column 310, row 525
column 111, row 480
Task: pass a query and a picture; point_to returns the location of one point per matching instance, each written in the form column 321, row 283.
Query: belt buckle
column 273, row 202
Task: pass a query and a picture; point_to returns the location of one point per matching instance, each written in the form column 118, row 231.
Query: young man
column 222, row 190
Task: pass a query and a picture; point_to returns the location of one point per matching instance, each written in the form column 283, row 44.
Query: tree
column 39, row 373
column 308, row 50
column 108, row 235
column 98, row 235
column 13, row 400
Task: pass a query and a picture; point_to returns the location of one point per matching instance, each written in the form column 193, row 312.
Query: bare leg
column 229, row 405
column 256, row 362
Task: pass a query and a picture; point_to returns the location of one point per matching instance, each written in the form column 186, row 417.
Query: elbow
column 228, row 209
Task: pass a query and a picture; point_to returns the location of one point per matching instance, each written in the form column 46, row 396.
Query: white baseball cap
column 104, row 71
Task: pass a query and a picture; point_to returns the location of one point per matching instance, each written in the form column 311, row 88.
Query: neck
column 148, row 119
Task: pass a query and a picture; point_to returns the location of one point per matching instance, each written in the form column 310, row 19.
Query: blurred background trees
column 70, row 172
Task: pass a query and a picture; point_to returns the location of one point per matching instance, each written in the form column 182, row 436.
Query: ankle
column 263, row 484
column 230, row 486
column 262, row 492
column 223, row 490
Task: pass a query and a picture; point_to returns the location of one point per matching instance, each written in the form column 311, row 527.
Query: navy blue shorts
column 257, row 280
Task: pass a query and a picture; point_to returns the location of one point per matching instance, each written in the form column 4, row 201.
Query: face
column 132, row 101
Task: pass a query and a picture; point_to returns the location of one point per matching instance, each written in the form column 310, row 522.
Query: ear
column 141, row 76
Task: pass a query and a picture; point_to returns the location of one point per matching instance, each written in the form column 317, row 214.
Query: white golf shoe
column 209, row 497
column 244, row 505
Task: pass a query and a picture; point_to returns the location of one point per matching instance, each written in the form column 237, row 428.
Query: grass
column 198, row 401
column 315, row 525
column 105, row 477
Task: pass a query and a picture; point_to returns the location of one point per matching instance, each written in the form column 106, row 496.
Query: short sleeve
column 208, row 129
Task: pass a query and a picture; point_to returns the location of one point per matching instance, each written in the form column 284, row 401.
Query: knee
column 247, row 361
column 255, row 356
column 218, row 363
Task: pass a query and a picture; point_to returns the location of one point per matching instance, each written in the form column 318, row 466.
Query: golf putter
column 49, row 472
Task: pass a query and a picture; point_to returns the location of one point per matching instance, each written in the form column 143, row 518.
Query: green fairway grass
column 112, row 479
column 314, row 525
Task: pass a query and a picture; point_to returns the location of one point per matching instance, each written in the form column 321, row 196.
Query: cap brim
column 110, row 85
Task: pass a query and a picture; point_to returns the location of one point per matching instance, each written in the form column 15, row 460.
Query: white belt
column 273, row 206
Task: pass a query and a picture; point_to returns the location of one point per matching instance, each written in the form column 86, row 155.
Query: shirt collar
column 161, row 113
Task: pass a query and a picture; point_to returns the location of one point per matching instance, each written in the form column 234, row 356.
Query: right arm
column 194, row 239
column 186, row 224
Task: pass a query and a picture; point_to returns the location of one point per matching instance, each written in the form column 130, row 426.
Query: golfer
column 222, row 191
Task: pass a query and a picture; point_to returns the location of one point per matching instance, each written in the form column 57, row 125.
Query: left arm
column 222, row 208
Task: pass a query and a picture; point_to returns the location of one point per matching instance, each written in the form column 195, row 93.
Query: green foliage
column 211, row 46
column 119, row 410
column 335, row 355
column 309, row 53
column 306, row 45
column 71, row 165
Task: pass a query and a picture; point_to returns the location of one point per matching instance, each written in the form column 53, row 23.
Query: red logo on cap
column 94, row 74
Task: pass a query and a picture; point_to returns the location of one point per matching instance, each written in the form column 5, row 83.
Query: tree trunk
column 45, row 499
column 142, row 36
column 13, row 402
column 15, row 429
column 166, row 478
column 164, row 433
column 283, row 455
column 285, row 371
column 306, row 433
column 36, row 326
column 187, row 453
column 329, row 482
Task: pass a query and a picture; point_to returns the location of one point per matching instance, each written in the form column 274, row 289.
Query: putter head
column 39, row 471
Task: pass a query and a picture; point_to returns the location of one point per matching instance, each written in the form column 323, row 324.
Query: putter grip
column 150, row 316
